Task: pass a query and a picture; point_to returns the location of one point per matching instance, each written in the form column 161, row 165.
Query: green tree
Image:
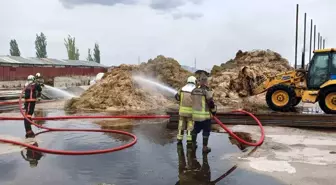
column 89, row 58
column 14, row 48
column 96, row 53
column 70, row 45
column 41, row 46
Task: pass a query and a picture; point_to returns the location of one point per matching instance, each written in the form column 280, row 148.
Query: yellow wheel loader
column 317, row 83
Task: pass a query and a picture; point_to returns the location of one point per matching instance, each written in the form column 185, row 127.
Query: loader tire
column 327, row 100
column 280, row 98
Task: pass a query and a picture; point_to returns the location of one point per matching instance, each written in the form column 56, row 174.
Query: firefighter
column 32, row 156
column 32, row 92
column 39, row 80
column 203, row 108
column 185, row 110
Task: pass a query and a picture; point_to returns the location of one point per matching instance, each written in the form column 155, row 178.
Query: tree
column 41, row 46
column 96, row 53
column 14, row 48
column 70, row 44
column 89, row 58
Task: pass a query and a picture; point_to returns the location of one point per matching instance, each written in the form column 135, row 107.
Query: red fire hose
column 16, row 102
column 62, row 152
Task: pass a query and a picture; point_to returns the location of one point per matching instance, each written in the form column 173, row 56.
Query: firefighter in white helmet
column 32, row 93
column 30, row 79
column 185, row 110
column 39, row 79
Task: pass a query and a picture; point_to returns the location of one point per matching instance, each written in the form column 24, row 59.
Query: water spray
column 60, row 92
column 140, row 79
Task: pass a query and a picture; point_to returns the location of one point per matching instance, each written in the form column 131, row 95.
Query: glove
column 39, row 99
column 214, row 113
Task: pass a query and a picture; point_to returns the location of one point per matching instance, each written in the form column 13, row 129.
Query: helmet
column 38, row 75
column 203, row 79
column 191, row 79
column 30, row 78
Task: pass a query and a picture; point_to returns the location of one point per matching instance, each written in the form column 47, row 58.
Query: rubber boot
column 206, row 149
column 179, row 142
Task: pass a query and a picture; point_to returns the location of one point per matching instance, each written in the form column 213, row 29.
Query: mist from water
column 141, row 80
column 60, row 92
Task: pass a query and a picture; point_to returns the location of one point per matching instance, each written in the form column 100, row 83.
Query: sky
column 212, row 31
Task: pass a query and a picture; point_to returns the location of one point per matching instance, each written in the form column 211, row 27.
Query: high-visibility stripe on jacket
column 200, row 107
column 184, row 96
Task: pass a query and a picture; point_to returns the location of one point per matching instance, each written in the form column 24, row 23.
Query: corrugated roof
column 46, row 61
column 85, row 63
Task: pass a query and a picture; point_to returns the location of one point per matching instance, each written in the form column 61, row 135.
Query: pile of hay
column 235, row 79
column 231, row 82
column 117, row 91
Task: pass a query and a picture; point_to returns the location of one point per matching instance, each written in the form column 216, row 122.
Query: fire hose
column 91, row 152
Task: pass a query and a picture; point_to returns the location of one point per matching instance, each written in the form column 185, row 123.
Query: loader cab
column 321, row 68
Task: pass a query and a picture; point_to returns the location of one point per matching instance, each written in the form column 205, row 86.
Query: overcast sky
column 209, row 30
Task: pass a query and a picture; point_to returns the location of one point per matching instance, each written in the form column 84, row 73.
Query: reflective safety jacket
column 202, row 103
column 184, row 97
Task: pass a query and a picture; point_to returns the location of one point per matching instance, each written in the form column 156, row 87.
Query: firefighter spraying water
column 195, row 110
column 185, row 109
column 33, row 89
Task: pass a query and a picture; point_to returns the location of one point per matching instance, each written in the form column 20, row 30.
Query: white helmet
column 38, row 75
column 191, row 79
column 30, row 78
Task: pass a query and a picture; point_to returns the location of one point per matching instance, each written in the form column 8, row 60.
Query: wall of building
column 10, row 73
column 64, row 81
column 70, row 81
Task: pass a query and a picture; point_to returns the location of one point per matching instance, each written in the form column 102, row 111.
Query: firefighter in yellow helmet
column 185, row 110
column 203, row 108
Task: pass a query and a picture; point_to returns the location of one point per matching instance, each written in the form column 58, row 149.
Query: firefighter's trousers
column 183, row 122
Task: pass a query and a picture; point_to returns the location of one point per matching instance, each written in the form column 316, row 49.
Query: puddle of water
column 155, row 159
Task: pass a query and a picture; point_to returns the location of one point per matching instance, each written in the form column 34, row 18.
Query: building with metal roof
column 18, row 68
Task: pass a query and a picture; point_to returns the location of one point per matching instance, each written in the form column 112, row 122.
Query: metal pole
column 296, row 33
column 304, row 42
column 314, row 37
column 318, row 40
column 323, row 43
column 311, row 36
column 195, row 63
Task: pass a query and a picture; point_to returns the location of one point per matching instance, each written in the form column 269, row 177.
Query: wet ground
column 155, row 159
column 294, row 156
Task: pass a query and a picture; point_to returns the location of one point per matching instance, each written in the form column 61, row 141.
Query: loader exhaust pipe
column 304, row 42
column 296, row 33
